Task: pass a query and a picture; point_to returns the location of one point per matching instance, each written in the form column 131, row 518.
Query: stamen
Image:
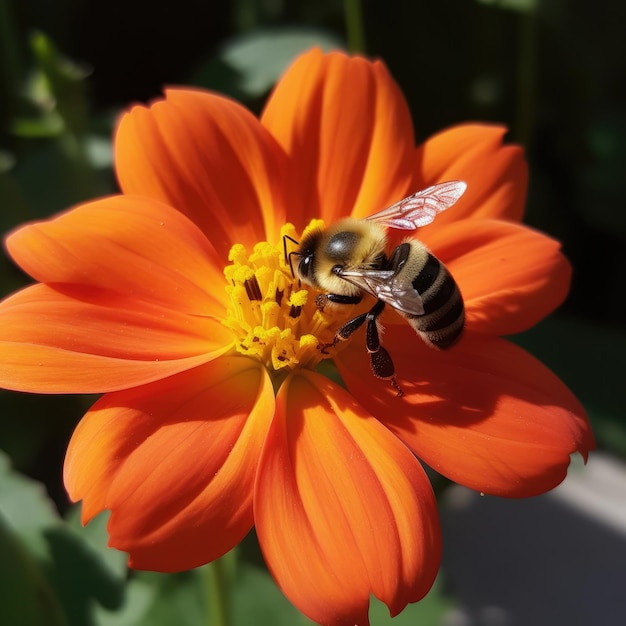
column 295, row 311
column 273, row 318
column 252, row 289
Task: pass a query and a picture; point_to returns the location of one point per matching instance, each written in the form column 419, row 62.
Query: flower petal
column 348, row 130
column 80, row 341
column 209, row 158
column 126, row 245
column 484, row 413
column 496, row 174
column 175, row 462
column 511, row 276
column 342, row 508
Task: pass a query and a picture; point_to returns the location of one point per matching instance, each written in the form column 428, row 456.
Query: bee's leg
column 345, row 331
column 380, row 359
column 324, row 298
column 350, row 326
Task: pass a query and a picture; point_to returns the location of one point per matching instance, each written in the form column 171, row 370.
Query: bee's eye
column 341, row 245
column 305, row 265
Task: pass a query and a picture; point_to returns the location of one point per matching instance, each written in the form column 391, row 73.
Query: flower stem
column 218, row 585
column 354, row 25
column 526, row 77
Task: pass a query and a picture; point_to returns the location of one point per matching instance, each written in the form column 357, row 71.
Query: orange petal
column 348, row 130
column 496, row 174
column 81, row 341
column 209, row 158
column 484, row 413
column 511, row 276
column 175, row 463
column 342, row 508
column 125, row 245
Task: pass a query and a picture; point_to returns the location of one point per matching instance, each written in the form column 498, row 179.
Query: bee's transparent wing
column 384, row 285
column 420, row 208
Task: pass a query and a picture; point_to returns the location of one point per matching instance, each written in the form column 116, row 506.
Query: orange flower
column 217, row 414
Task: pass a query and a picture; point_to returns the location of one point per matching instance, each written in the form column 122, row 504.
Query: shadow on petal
column 484, row 413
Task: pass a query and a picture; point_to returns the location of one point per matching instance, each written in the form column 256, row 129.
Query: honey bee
column 349, row 259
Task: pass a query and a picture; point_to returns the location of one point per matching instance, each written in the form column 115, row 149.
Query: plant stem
column 354, row 25
column 218, row 580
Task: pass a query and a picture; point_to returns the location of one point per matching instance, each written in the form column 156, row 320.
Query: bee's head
column 341, row 246
column 353, row 243
column 323, row 253
column 306, row 253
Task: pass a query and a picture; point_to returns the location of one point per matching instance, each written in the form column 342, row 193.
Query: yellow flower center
column 274, row 317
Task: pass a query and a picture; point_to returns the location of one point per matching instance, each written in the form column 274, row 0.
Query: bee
column 349, row 259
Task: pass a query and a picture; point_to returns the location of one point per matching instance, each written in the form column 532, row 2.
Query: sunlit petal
column 175, row 463
column 510, row 276
column 348, row 131
column 496, row 174
column 484, row 413
column 342, row 508
column 209, row 158
column 125, row 245
column 81, row 342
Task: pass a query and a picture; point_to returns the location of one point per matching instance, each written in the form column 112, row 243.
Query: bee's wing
column 420, row 208
column 382, row 284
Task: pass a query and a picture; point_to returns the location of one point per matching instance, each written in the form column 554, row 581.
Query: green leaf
column 249, row 65
column 49, row 124
column 58, row 67
column 57, row 175
column 80, row 577
column 138, row 599
column 176, row 598
column 26, row 597
column 99, row 151
column 26, row 508
column 72, row 559
column 95, row 538
column 58, row 83
column 257, row 600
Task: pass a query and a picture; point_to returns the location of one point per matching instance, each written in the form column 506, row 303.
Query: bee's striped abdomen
column 444, row 313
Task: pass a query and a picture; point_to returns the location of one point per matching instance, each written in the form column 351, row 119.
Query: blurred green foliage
column 55, row 572
column 552, row 70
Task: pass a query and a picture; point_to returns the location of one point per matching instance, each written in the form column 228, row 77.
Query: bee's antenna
column 288, row 256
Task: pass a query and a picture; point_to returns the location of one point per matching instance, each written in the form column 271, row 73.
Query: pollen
column 273, row 317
